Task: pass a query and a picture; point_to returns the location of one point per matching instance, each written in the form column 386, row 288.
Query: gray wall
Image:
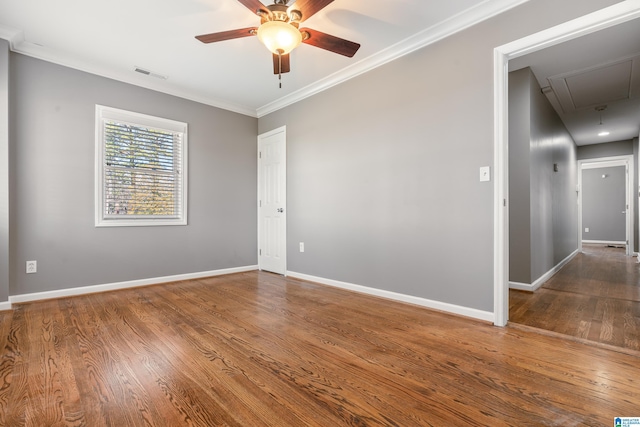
column 563, row 182
column 603, row 201
column 520, row 91
column 543, row 212
column 4, row 171
column 382, row 179
column 609, row 149
column 52, row 132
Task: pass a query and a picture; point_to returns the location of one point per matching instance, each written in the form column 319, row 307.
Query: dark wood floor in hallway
column 595, row 297
column 256, row 349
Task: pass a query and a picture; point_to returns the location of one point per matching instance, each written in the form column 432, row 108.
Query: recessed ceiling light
column 603, row 133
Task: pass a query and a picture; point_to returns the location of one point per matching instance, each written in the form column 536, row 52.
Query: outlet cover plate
column 32, row 267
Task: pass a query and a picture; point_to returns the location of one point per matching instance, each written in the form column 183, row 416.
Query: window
column 141, row 174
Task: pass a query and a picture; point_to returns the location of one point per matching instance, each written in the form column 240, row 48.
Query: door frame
column 604, row 162
column 261, row 137
column 608, row 17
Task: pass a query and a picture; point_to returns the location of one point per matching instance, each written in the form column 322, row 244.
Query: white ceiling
column 599, row 69
column 112, row 38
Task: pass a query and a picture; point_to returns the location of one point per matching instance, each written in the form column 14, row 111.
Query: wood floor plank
column 208, row 351
column 596, row 296
column 98, row 368
column 229, row 328
column 257, row 349
column 138, row 382
column 77, row 337
column 45, row 384
column 15, row 376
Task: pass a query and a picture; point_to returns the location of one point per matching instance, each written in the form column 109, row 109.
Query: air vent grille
column 149, row 73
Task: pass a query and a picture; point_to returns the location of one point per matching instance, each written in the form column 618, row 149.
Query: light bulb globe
column 279, row 37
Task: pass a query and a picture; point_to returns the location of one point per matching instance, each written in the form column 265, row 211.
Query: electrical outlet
column 301, row 246
column 32, row 267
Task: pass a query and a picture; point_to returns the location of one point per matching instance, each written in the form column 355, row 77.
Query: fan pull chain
column 280, row 68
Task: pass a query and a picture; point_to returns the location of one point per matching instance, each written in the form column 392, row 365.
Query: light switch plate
column 485, row 173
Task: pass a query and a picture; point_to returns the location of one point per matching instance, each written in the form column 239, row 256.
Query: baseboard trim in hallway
column 542, row 279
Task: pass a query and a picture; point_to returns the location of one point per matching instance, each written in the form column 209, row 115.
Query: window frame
column 104, row 114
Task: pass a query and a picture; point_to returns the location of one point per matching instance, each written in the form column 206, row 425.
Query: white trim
column 481, row 12
column 604, row 18
column 522, row 286
column 435, row 305
column 444, row 29
column 500, row 191
column 604, row 242
column 103, row 114
column 37, row 296
column 20, row 45
column 5, row 177
column 542, row 279
column 606, row 162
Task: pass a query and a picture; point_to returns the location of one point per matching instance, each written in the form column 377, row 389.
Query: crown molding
column 455, row 24
column 481, row 12
column 18, row 44
column 13, row 36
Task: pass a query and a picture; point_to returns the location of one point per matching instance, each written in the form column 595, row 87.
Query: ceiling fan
column 279, row 31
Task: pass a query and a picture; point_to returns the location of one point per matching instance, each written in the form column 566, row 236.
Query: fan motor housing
column 280, row 12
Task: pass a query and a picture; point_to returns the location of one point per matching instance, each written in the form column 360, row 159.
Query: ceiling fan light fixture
column 279, row 37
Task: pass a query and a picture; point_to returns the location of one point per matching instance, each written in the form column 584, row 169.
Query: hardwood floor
column 256, row 349
column 596, row 297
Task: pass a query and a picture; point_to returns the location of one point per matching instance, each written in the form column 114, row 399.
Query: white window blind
column 141, row 169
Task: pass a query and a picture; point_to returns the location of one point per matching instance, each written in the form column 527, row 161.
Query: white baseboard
column 123, row 285
column 436, row 305
column 548, row 275
column 604, row 242
column 521, row 286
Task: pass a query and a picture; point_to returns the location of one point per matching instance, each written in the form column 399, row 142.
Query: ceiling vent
column 149, row 73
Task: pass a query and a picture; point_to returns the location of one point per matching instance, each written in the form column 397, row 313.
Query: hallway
column 595, row 297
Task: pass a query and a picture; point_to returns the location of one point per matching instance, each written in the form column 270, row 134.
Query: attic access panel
column 601, row 85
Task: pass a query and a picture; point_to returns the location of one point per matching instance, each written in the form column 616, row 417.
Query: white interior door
column 272, row 201
column 625, row 209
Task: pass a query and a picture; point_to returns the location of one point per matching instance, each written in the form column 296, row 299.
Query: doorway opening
column 602, row 19
column 605, row 199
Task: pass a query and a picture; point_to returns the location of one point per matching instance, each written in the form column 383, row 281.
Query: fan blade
column 330, row 43
column 281, row 67
column 254, row 6
column 310, row 7
column 227, row 35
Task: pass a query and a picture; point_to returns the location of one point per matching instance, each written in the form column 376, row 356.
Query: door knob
column 280, row 210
